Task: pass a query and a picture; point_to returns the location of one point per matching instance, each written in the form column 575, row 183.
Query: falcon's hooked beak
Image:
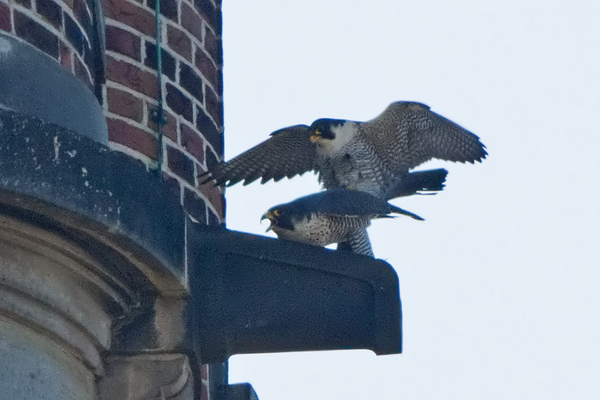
column 316, row 135
column 271, row 215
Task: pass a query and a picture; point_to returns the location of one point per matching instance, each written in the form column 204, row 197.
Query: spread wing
column 287, row 152
column 407, row 134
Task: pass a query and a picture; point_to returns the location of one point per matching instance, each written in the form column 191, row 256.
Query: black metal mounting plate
column 253, row 294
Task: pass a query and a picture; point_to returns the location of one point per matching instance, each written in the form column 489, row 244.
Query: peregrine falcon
column 373, row 156
column 331, row 216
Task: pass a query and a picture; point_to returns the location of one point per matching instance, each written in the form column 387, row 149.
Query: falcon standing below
column 373, row 156
column 332, row 216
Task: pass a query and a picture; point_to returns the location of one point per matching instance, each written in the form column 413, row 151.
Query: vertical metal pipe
column 159, row 117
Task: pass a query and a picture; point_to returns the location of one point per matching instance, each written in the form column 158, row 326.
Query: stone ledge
column 102, row 199
column 92, row 256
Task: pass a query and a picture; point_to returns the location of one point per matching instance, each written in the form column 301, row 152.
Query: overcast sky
column 500, row 285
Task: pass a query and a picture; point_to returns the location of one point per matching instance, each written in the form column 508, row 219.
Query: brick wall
column 64, row 30
column 124, row 78
column 191, row 92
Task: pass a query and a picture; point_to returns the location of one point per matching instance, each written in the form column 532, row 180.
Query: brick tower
column 191, row 92
column 116, row 58
column 91, row 67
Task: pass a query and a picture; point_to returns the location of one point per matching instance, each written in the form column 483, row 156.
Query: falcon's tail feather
column 416, row 182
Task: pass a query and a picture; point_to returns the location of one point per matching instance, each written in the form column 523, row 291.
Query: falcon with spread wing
column 375, row 156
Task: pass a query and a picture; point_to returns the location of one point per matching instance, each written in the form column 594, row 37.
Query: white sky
column 501, row 284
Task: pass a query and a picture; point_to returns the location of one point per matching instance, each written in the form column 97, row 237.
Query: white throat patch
column 343, row 135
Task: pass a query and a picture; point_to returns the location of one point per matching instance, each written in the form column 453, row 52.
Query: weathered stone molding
column 55, row 299
column 92, row 266
column 147, row 376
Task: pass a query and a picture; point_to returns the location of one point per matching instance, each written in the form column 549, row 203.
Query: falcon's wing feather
column 286, row 153
column 342, row 201
column 402, row 211
column 407, row 134
column 346, row 202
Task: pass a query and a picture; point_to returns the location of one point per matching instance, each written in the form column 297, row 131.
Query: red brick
column 168, row 62
column 82, row 73
column 203, row 392
column 180, row 42
column 211, row 13
column 179, row 102
column 36, row 34
column 212, row 45
column 208, row 129
column 5, row 24
column 74, row 34
column 192, row 142
column 208, row 69
column 180, row 164
column 130, row 14
column 214, row 106
column 65, row 57
column 50, row 11
column 191, row 21
column 123, row 42
column 212, row 160
column 169, row 129
column 131, row 76
column 125, row 104
column 168, row 8
column 190, row 81
column 82, row 13
column 214, row 196
column 194, row 205
column 123, row 133
column 24, row 3
column 204, row 371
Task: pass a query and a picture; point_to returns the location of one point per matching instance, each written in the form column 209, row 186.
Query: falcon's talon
column 376, row 157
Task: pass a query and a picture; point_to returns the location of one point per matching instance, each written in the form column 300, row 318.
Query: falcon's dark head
column 324, row 129
column 280, row 217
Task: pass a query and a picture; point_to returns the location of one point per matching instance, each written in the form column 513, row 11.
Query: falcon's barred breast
column 332, row 216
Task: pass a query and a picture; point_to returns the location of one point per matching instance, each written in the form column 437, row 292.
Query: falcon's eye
column 318, row 131
column 276, row 213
